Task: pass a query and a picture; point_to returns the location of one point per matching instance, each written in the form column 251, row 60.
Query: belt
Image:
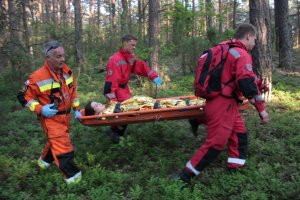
column 123, row 85
column 64, row 112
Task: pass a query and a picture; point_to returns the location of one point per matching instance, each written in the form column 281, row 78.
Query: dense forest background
column 180, row 30
column 172, row 34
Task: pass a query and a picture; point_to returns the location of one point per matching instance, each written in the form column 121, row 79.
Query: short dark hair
column 89, row 110
column 128, row 37
column 244, row 29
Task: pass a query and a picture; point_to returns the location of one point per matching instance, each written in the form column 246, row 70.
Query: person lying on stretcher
column 136, row 103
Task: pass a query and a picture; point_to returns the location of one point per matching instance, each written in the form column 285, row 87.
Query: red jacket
column 44, row 83
column 118, row 71
column 238, row 67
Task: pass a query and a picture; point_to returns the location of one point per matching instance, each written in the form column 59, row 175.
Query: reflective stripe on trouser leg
column 237, row 150
column 198, row 165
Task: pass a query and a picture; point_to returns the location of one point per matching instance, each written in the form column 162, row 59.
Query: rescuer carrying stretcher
column 50, row 92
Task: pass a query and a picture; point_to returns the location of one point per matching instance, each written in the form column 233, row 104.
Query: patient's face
column 98, row 107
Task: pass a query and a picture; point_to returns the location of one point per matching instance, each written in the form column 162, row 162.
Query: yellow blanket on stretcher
column 140, row 102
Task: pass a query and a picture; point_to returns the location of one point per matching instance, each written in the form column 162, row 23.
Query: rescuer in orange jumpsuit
column 118, row 70
column 50, row 92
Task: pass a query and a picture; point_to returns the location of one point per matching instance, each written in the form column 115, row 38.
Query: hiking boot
column 114, row 136
column 183, row 176
column 74, row 179
column 42, row 164
column 194, row 126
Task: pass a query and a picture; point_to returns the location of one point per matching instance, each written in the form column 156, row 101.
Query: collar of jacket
column 56, row 75
column 126, row 55
column 237, row 43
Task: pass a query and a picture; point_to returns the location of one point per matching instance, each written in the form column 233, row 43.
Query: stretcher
column 152, row 115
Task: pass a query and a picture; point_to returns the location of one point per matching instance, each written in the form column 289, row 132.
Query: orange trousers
column 59, row 147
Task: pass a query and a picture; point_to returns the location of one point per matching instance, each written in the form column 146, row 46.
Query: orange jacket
column 44, row 86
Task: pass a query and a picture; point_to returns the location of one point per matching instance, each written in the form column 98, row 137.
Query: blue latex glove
column 77, row 114
column 47, row 111
column 157, row 81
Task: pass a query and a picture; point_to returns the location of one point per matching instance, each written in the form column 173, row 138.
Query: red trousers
column 224, row 126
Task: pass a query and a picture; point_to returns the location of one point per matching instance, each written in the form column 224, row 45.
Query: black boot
column 194, row 126
column 184, row 176
column 114, row 136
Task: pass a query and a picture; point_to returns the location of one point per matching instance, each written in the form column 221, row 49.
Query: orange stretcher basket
column 153, row 115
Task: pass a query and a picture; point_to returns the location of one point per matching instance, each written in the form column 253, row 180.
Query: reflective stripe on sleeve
column 75, row 102
column 259, row 98
column 235, row 53
column 190, row 166
column 122, row 62
column 111, row 95
column 32, row 104
column 256, row 99
column 151, row 72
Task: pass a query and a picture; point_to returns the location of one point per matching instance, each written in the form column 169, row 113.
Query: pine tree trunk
column 124, row 18
column 112, row 16
column 298, row 19
column 209, row 17
column 63, row 11
column 153, row 33
column 234, row 14
column 78, row 34
column 284, row 34
column 261, row 54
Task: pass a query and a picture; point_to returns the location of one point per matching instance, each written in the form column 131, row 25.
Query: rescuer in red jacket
column 50, row 92
column 225, row 125
column 118, row 70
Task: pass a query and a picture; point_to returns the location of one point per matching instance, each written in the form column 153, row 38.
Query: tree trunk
column 209, row 8
column 298, row 19
column 144, row 6
column 112, row 16
column 3, row 31
column 140, row 19
column 91, row 32
column 78, row 34
column 98, row 14
column 284, row 33
column 55, row 14
column 25, row 27
column 63, row 10
column 40, row 10
column 261, row 54
column 26, row 35
column 3, row 19
column 124, row 18
column 154, row 33
column 130, row 30
column 220, row 18
column 234, row 14
column 194, row 55
column 14, row 47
